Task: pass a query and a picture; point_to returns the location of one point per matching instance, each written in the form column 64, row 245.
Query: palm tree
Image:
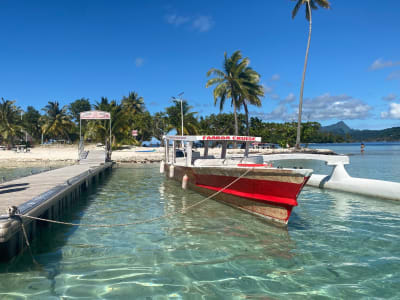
column 133, row 103
column 99, row 129
column 190, row 124
column 238, row 82
column 56, row 122
column 9, row 121
column 310, row 4
column 252, row 91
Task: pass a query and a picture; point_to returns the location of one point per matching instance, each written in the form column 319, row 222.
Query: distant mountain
column 341, row 128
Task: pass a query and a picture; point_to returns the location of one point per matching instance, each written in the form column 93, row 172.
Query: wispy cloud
column 394, row 75
column 381, row 64
column 139, row 61
column 267, row 89
column 289, row 98
column 280, row 113
column 176, row 20
column 275, row 96
column 199, row 23
column 393, row 111
column 341, row 107
column 275, row 77
column 202, row 23
column 390, row 97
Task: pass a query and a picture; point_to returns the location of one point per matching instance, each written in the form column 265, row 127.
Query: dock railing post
column 189, row 153
column 173, row 151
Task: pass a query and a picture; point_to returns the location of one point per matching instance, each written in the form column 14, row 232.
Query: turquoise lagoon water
column 13, row 171
column 337, row 245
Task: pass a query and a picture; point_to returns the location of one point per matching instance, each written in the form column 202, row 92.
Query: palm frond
column 323, row 3
column 216, row 72
column 296, row 8
column 213, row 81
column 307, row 12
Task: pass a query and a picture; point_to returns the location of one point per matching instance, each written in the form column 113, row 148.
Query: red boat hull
column 266, row 192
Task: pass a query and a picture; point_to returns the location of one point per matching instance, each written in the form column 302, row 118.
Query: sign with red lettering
column 228, row 138
column 134, row 132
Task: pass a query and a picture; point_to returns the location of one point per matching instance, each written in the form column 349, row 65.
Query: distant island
column 353, row 135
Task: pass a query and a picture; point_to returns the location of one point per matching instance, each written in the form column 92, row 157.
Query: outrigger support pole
column 223, row 151
column 206, row 148
column 246, row 151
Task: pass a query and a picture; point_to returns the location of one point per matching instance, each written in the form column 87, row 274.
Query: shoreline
column 69, row 154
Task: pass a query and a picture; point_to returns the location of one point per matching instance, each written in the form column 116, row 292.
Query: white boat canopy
column 189, row 139
column 192, row 138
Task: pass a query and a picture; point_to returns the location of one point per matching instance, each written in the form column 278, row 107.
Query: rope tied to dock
column 13, row 211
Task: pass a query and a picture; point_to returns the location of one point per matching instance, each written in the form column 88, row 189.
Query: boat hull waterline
column 270, row 193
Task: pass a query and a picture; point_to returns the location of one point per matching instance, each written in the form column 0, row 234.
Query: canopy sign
column 95, row 115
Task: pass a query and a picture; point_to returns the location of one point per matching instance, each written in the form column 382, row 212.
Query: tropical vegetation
column 55, row 122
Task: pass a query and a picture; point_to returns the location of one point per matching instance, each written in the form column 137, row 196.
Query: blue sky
column 65, row 50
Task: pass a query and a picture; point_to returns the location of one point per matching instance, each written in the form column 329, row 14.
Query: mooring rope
column 13, row 211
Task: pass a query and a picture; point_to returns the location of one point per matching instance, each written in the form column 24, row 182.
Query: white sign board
column 134, row 132
column 95, row 115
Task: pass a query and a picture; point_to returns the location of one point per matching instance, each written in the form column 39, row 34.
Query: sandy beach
column 69, row 154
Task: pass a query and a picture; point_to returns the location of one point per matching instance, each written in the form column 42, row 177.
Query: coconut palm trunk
column 236, row 118
column 246, row 111
column 302, row 81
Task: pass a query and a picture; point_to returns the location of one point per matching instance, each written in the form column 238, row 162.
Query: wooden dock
column 47, row 195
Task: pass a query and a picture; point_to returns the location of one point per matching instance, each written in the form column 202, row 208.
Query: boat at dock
column 244, row 182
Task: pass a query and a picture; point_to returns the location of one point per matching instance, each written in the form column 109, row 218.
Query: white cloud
column 393, row 112
column 275, row 96
column 199, row 23
column 341, row 107
column 289, row 98
column 389, row 97
column 176, row 20
column 380, row 64
column 394, row 75
column 279, row 113
column 139, row 61
column 267, row 89
column 275, row 77
column 203, row 23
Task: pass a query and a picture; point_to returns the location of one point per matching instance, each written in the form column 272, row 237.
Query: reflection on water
column 336, row 246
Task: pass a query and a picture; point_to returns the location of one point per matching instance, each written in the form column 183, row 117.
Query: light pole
column 181, row 100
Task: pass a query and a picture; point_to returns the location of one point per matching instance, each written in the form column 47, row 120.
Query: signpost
column 134, row 133
column 93, row 115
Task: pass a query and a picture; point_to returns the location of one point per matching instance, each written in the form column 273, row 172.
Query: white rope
column 183, row 211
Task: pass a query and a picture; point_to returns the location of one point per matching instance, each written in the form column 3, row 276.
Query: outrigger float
column 245, row 182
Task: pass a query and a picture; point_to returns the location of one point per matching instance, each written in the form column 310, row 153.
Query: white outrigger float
column 244, row 182
column 339, row 179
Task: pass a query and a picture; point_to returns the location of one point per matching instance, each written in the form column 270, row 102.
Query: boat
column 244, row 182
